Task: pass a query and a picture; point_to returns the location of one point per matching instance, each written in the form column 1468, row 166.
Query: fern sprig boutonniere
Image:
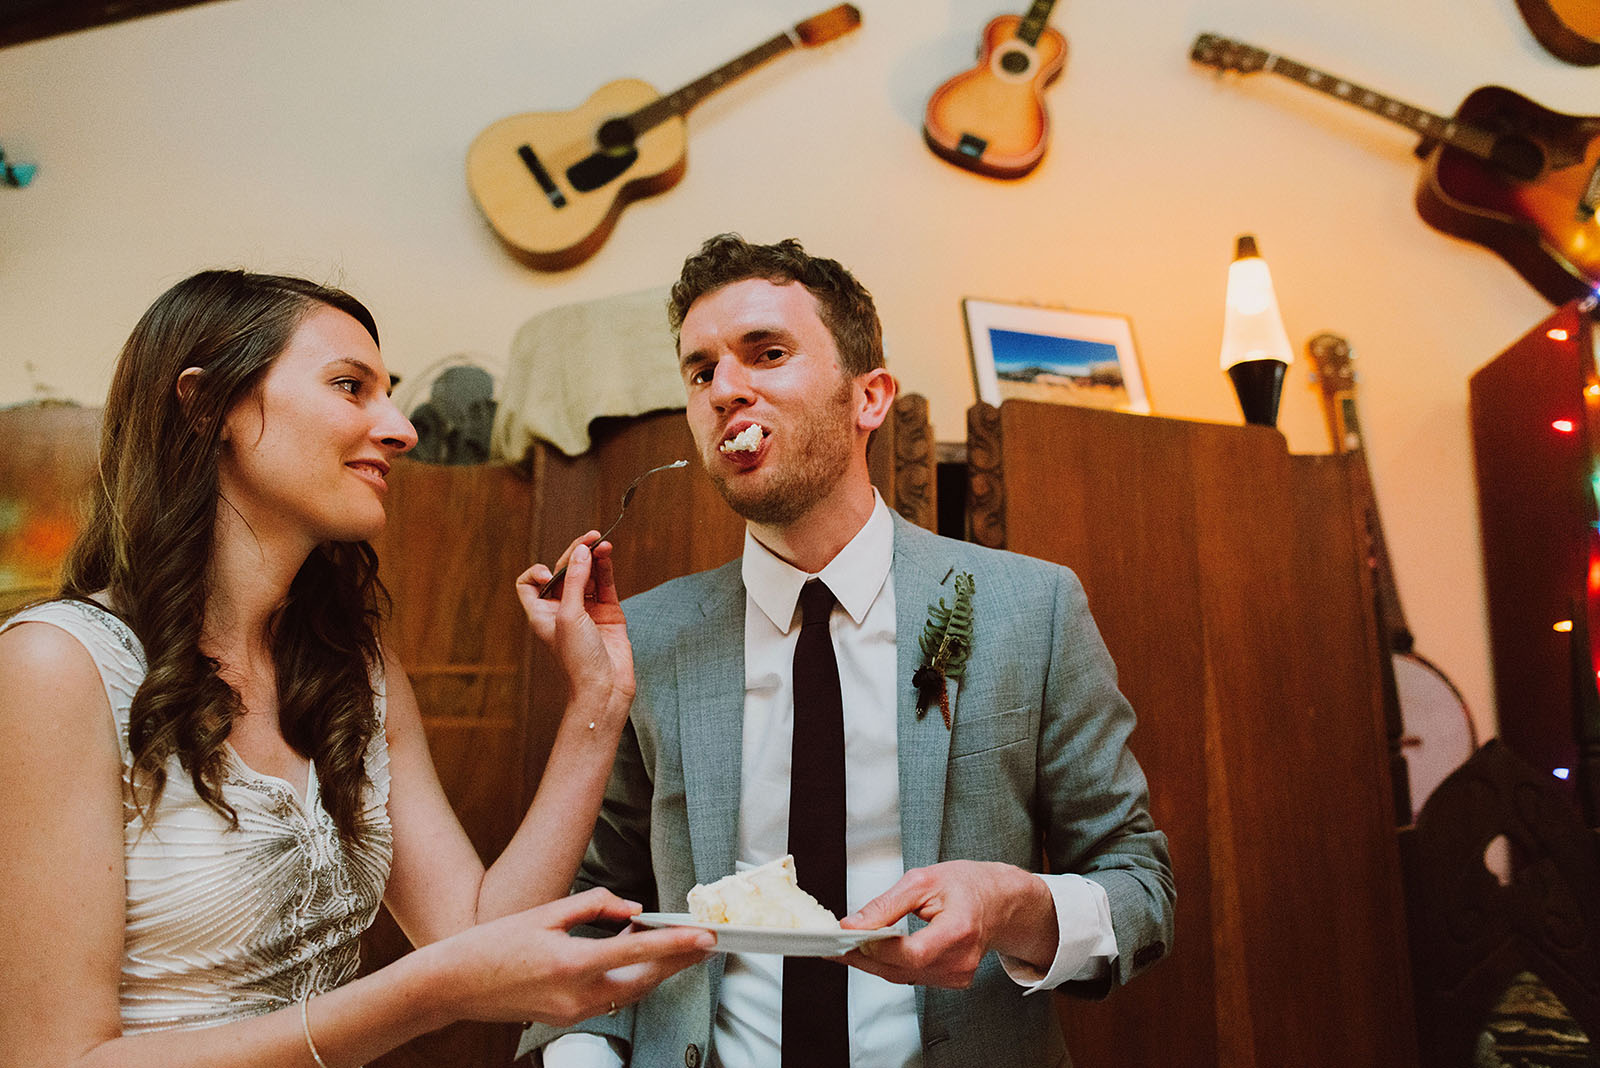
column 946, row 642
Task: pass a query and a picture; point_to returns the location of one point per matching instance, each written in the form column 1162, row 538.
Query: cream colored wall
column 327, row 139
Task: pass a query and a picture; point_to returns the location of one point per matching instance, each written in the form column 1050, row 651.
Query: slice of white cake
column 765, row 896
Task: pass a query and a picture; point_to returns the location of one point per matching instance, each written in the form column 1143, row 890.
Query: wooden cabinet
column 1225, row 578
column 455, row 541
column 1535, row 412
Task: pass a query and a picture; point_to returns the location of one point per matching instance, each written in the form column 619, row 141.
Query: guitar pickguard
column 599, row 168
column 1518, row 157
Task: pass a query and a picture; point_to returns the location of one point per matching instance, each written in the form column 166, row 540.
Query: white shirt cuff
column 1088, row 945
column 581, row 1050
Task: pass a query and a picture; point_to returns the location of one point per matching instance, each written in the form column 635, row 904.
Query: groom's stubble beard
column 816, row 448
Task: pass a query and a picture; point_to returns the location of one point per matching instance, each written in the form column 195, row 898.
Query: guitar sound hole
column 614, row 135
column 1014, row 62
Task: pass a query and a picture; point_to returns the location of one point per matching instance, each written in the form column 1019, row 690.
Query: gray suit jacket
column 1036, row 766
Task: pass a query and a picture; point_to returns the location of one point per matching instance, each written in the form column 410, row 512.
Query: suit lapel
column 711, row 717
column 924, row 742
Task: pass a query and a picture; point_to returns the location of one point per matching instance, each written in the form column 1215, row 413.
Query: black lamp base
column 1259, row 384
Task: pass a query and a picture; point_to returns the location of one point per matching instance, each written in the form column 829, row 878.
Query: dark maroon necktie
column 816, row 1026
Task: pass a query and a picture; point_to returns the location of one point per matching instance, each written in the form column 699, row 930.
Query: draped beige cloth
column 573, row 364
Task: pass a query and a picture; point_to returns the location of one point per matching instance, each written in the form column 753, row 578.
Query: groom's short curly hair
column 843, row 304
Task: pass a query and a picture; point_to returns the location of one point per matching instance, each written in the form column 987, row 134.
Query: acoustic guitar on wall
column 1503, row 172
column 1437, row 733
column 1568, row 29
column 553, row 183
column 991, row 119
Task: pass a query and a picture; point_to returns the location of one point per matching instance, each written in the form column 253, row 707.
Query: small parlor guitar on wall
column 991, row 119
column 552, row 183
column 1437, row 732
column 1504, row 172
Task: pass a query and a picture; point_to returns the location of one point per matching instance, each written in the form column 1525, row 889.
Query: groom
column 786, row 704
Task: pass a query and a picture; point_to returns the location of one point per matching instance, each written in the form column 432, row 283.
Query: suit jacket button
column 691, row 1056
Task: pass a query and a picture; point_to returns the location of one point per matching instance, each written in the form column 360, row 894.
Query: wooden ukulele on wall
column 1504, row 172
column 1437, row 733
column 553, row 183
column 991, row 119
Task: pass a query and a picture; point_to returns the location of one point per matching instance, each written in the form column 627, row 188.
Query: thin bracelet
column 305, row 1026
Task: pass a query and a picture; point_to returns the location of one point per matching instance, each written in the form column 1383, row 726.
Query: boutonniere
column 946, row 640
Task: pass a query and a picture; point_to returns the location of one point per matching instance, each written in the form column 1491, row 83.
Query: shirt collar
column 855, row 575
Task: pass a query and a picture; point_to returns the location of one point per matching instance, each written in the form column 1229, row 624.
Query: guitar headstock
column 1336, row 375
column 1226, row 54
column 1336, row 371
column 829, row 25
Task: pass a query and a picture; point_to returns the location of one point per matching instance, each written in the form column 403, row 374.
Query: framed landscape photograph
column 1024, row 352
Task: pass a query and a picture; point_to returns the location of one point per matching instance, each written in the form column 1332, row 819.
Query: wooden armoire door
column 1226, row 580
column 456, row 540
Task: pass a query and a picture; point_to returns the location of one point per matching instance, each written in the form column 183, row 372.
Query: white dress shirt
column 884, row 1031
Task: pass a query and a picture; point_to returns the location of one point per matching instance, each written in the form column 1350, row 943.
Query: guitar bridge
column 971, row 145
column 531, row 160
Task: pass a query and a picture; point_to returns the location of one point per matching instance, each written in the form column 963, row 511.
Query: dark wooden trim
column 31, row 20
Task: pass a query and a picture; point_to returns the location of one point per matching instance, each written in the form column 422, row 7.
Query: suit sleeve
column 1093, row 798
column 618, row 857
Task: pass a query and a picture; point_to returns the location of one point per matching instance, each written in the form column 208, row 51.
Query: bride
column 212, row 770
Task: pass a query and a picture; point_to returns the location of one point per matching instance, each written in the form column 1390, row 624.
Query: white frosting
column 746, row 440
column 765, row 896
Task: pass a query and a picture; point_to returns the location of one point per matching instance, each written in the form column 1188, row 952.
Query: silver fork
column 627, row 497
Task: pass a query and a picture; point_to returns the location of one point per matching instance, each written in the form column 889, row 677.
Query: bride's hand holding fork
column 584, row 627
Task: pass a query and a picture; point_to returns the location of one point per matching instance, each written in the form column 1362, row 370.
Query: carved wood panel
column 1472, row 934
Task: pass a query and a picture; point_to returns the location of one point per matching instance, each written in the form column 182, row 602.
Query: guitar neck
column 1339, row 406
column 681, row 100
column 1431, row 126
column 1033, row 22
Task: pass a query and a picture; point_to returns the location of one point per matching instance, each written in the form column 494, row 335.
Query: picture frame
column 1062, row 356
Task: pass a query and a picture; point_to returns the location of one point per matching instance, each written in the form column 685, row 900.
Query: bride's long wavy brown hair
column 149, row 534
